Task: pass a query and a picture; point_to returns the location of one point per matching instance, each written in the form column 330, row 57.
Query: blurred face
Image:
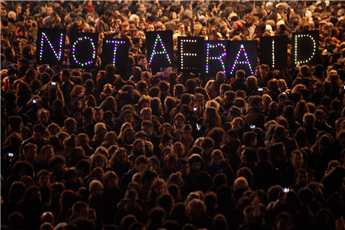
column 140, row 146
column 147, row 130
column 48, row 153
column 78, row 22
column 204, row 32
column 171, row 164
column 121, row 157
column 37, row 137
column 196, row 166
column 185, row 170
column 297, row 160
column 97, row 116
column 179, row 150
column 125, row 27
column 99, row 162
column 112, row 182
column 49, row 10
column 186, row 135
column 142, row 8
column 77, row 116
column 59, row 168
column 136, row 20
column 263, row 73
column 82, row 141
column 199, row 102
column 174, row 15
column 217, row 159
column 302, row 179
column 142, row 62
column 141, row 167
column 181, row 28
column 128, row 118
column 150, row 28
column 36, row 196
column 130, row 136
column 96, row 192
column 146, row 115
column 283, row 225
column 179, row 122
column 159, row 190
column 19, row 9
column 44, row 181
column 166, row 129
column 142, row 27
column 54, row 194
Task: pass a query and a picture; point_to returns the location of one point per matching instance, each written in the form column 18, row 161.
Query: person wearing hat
column 125, row 27
column 133, row 30
column 186, row 137
column 130, row 205
column 100, row 131
column 198, row 177
column 96, row 188
column 234, row 112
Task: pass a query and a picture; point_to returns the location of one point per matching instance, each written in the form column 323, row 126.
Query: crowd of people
column 163, row 149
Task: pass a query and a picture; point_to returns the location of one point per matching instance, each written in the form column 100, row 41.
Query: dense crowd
column 160, row 149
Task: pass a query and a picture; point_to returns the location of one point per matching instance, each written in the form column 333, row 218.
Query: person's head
column 217, row 157
column 186, row 131
column 57, row 164
column 141, row 163
column 240, row 74
column 196, row 163
column 264, row 70
column 283, row 221
column 30, row 152
column 97, row 114
column 47, row 217
column 65, row 75
column 110, row 180
column 301, row 176
column 196, row 209
column 47, row 152
column 139, row 147
column 120, row 156
column 80, row 209
column 183, row 166
column 146, row 114
column 43, row 180
column 308, row 120
column 248, row 155
column 297, row 159
column 96, row 188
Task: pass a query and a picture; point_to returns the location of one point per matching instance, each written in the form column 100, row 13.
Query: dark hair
column 39, row 128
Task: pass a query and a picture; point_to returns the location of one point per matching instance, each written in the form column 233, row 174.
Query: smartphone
column 53, row 83
column 252, row 126
column 284, row 93
column 260, row 89
column 286, row 190
column 10, row 155
column 195, row 109
column 198, row 126
column 243, row 109
column 34, row 101
column 344, row 86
